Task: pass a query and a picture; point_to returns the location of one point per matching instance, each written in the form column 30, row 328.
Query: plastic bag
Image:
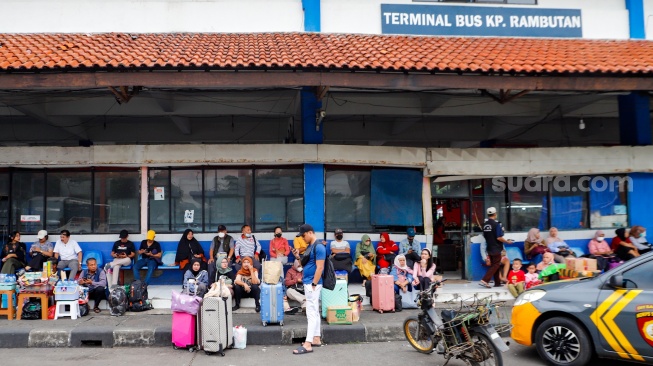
column 240, row 337
column 51, row 311
column 31, row 310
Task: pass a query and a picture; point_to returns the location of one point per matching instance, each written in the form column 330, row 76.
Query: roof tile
column 328, row 51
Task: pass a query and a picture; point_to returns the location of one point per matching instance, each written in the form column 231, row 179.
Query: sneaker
column 258, row 308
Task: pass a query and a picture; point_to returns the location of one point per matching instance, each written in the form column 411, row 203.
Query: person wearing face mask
column 247, row 246
column 600, row 250
column 279, row 248
column 341, row 253
column 638, row 238
column 410, row 248
column 295, row 287
column 222, row 246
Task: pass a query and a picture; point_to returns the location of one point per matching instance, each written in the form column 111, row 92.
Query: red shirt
column 516, row 276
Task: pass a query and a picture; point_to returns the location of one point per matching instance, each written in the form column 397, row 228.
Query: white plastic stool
column 60, row 309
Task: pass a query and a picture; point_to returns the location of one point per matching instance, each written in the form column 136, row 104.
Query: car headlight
column 529, row 296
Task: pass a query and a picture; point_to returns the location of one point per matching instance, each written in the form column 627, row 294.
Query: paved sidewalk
column 153, row 328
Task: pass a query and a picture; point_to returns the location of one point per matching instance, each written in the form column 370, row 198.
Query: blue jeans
column 151, row 265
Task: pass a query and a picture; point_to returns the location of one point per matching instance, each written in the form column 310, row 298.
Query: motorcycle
column 465, row 333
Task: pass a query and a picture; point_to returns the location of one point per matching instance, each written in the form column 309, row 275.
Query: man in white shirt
column 68, row 252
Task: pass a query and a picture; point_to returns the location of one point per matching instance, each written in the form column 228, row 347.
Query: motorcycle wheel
column 493, row 356
column 418, row 336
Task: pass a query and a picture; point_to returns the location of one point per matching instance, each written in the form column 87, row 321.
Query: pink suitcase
column 183, row 330
column 383, row 293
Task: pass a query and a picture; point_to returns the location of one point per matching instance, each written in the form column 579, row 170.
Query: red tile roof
column 278, row 51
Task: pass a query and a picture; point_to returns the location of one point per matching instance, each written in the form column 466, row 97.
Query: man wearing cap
column 410, row 248
column 493, row 233
column 341, row 253
column 312, row 279
column 39, row 252
column 222, row 245
column 123, row 252
column 68, row 252
column 150, row 252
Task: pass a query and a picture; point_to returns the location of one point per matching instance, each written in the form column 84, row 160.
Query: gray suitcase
column 216, row 325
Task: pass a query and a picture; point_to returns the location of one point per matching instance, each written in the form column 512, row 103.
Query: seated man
column 123, row 251
column 68, row 253
column 341, row 253
column 410, row 248
column 150, row 252
column 96, row 281
column 247, row 246
column 39, row 252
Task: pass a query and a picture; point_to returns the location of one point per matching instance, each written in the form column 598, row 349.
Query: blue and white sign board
column 445, row 20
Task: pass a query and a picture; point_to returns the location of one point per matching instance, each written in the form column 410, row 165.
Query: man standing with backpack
column 313, row 262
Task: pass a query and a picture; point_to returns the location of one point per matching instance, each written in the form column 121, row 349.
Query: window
column 607, row 202
column 28, row 198
column 348, row 200
column 159, row 200
column 568, row 203
column 116, row 201
column 186, row 200
column 639, row 277
column 458, row 188
column 487, row 193
column 527, row 204
column 228, row 198
column 4, row 204
column 279, row 199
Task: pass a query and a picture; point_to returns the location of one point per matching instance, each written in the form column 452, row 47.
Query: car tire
column 563, row 342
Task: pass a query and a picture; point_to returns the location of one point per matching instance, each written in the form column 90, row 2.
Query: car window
column 640, row 277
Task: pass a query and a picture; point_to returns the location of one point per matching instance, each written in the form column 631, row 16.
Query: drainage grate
column 91, row 343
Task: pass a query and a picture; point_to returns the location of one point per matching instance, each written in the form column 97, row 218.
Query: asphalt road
column 361, row 354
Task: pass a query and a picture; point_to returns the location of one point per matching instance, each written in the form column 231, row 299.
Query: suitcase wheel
column 174, row 346
column 222, row 354
column 265, row 324
column 281, row 324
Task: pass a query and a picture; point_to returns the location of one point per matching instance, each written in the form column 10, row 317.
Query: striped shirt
column 247, row 247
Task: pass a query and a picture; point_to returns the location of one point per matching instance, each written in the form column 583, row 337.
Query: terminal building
column 370, row 116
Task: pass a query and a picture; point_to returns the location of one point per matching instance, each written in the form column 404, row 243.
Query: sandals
column 96, row 310
column 301, row 350
column 318, row 345
column 484, row 284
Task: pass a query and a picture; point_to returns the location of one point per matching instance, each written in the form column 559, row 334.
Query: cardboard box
column 341, row 314
column 581, row 264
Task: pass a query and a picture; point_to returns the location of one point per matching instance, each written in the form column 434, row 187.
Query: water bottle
column 3, row 277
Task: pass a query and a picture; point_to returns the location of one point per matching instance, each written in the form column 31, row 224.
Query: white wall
column 602, row 19
column 151, row 16
column 648, row 18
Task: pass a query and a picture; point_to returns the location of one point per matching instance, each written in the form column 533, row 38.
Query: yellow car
column 609, row 316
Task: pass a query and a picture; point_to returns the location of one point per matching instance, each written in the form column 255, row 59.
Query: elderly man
column 68, row 252
column 96, row 281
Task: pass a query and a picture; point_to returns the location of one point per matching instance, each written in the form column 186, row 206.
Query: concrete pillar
column 314, row 184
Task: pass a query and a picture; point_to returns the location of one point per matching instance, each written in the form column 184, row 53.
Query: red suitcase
column 383, row 293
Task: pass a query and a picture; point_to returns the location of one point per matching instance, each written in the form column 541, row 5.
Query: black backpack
column 138, row 297
column 329, row 275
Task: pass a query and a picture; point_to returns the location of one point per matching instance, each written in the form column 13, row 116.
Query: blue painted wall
column 636, row 18
column 314, row 196
column 312, row 14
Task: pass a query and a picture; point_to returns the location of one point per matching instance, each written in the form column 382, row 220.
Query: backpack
column 118, row 301
column 138, row 297
column 328, row 275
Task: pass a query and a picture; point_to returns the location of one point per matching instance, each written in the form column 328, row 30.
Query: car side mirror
column 616, row 281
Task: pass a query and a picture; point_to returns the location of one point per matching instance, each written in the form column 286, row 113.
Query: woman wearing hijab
column 187, row 249
column 622, row 246
column 534, row 246
column 557, row 246
column 224, row 269
column 600, row 250
column 13, row 254
column 247, row 284
column 423, row 270
column 365, row 258
column 196, row 280
column 403, row 276
column 386, row 250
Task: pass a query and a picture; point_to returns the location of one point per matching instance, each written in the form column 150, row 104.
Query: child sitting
column 531, row 278
column 516, row 278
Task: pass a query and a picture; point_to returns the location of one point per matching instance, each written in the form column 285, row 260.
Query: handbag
column 185, row 303
column 299, row 287
column 408, row 299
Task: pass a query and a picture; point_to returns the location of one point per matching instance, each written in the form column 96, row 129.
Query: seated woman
column 557, row 246
column 403, row 276
column 547, row 268
column 187, row 249
column 638, row 238
column 423, row 270
column 534, row 246
column 622, row 246
column 386, row 251
column 196, row 280
column 365, row 258
column 279, row 248
column 224, row 269
column 13, row 254
column 247, row 284
column 600, row 250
